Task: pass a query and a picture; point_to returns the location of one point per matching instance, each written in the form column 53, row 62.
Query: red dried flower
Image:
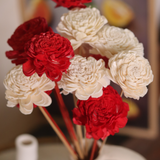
column 71, row 3
column 22, row 35
column 102, row 116
column 48, row 53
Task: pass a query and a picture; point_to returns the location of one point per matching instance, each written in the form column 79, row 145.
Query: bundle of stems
column 81, row 147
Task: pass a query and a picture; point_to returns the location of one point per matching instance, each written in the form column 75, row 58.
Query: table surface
column 59, row 152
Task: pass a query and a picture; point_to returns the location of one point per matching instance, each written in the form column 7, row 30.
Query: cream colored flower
column 27, row 91
column 80, row 25
column 112, row 40
column 132, row 72
column 85, row 78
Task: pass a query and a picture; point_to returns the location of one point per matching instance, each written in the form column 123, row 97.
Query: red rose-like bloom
column 22, row 35
column 102, row 116
column 48, row 53
column 71, row 3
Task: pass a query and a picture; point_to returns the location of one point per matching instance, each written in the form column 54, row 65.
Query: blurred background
column 143, row 18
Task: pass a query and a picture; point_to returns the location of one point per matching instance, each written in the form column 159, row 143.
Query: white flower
column 132, row 72
column 80, row 25
column 85, row 78
column 112, row 40
column 27, row 91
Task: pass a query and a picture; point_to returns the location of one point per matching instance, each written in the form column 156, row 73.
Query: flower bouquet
column 82, row 60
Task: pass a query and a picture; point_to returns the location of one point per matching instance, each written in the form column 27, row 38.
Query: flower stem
column 79, row 135
column 94, row 147
column 103, row 143
column 78, row 127
column 86, row 143
column 67, row 120
column 58, row 131
column 121, row 93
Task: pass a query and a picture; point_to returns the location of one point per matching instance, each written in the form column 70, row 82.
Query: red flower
column 71, row 3
column 22, row 35
column 102, row 116
column 48, row 53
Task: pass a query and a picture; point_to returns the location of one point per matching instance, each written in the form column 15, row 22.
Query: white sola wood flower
column 132, row 72
column 85, row 78
column 112, row 40
column 27, row 91
column 80, row 25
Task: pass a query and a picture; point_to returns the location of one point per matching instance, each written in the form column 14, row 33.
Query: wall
column 158, row 11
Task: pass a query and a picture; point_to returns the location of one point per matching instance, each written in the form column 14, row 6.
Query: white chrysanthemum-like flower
column 85, row 78
column 80, row 25
column 27, row 91
column 132, row 72
column 112, row 40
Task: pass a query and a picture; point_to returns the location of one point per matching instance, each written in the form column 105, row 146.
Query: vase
column 57, row 151
column 114, row 152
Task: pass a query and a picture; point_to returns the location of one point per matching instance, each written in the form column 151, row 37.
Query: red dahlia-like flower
column 22, row 35
column 102, row 116
column 71, row 3
column 48, row 53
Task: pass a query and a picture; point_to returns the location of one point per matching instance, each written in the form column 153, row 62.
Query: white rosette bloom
column 132, row 72
column 112, row 40
column 85, row 78
column 80, row 25
column 27, row 91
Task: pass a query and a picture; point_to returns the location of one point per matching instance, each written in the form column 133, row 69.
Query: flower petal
column 42, row 99
column 26, row 109
column 28, row 68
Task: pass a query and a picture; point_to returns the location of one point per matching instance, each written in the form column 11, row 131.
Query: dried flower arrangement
column 82, row 60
